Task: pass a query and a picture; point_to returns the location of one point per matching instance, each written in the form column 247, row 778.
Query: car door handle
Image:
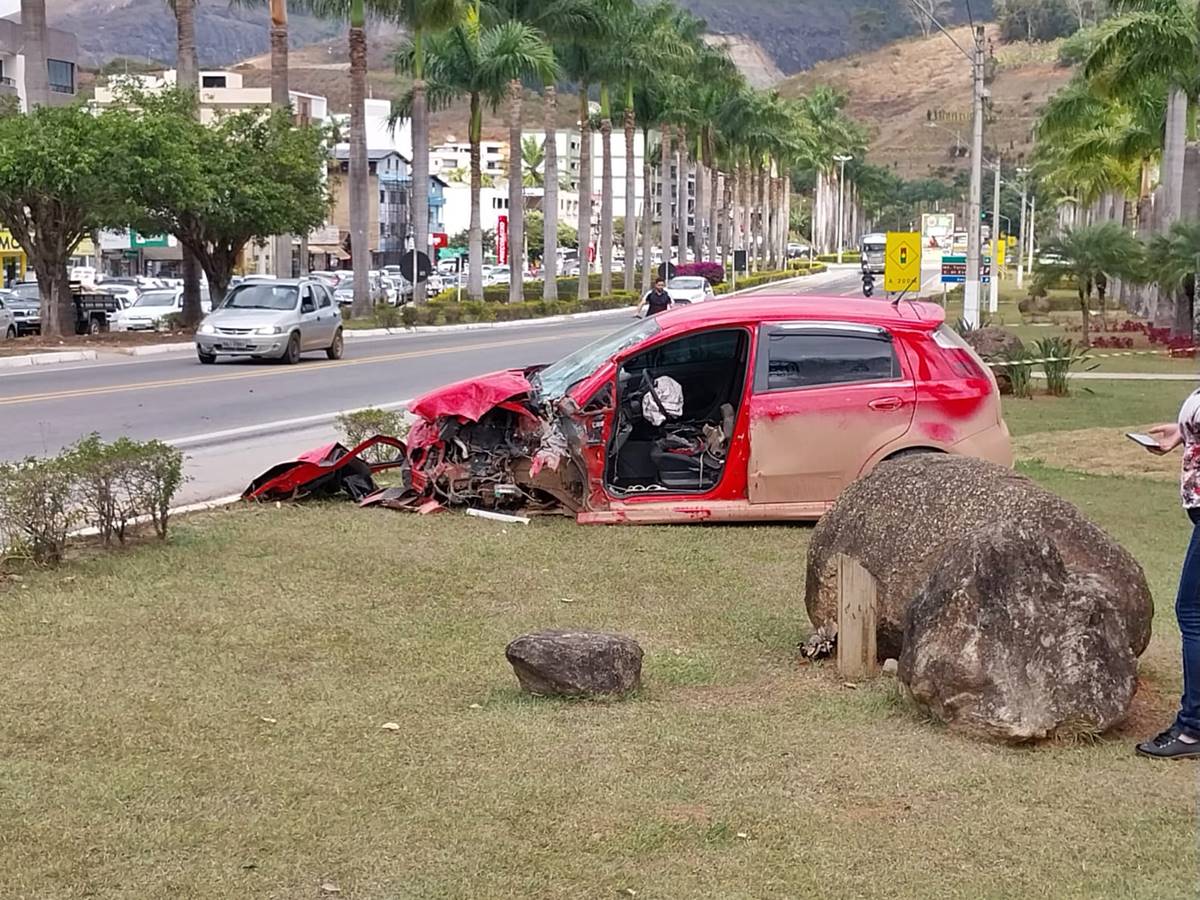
column 886, row 404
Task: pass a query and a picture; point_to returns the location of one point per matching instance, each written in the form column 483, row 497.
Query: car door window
column 306, row 300
column 817, row 358
column 326, row 300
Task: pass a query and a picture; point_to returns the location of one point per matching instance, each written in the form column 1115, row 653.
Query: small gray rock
column 891, row 667
column 576, row 663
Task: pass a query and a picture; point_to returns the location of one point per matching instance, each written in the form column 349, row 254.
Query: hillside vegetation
column 894, row 91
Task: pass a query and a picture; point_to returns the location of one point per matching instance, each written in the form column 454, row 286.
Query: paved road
column 175, row 398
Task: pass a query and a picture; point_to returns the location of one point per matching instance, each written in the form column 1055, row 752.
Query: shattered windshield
column 556, row 380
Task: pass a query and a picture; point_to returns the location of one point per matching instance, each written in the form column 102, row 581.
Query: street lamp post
column 842, row 159
column 1024, row 175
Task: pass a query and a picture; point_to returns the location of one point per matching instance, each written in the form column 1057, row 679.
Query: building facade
column 220, row 92
column 62, row 53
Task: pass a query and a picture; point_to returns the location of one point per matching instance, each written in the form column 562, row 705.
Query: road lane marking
column 280, row 370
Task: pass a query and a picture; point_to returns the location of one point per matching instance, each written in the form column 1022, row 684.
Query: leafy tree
column 1038, row 20
column 58, row 184
column 1172, row 260
column 533, row 158
column 1092, row 256
column 246, row 177
column 535, row 224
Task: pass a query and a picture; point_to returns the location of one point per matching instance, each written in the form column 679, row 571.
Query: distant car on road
column 24, row 302
column 277, row 319
column 689, row 289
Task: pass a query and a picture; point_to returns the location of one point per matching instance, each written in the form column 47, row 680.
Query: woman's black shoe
column 1169, row 745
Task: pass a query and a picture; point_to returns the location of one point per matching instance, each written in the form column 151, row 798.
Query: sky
column 8, row 7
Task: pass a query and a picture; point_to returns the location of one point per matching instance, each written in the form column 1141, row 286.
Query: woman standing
column 1182, row 739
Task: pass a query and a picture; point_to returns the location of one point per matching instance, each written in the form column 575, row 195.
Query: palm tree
column 480, row 62
column 1093, row 254
column 533, row 158
column 1172, row 260
column 563, row 23
column 37, row 75
column 187, row 78
column 280, row 99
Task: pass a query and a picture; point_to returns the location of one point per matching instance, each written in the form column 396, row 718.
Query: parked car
column 498, row 275
column 689, row 289
column 26, row 307
column 277, row 319
column 126, row 294
column 150, row 311
column 329, row 279
column 796, row 250
column 751, row 409
column 8, row 322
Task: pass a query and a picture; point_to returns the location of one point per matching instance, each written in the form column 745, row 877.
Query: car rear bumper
column 993, row 444
column 224, row 345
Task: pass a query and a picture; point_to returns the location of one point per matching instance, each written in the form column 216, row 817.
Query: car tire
column 291, row 355
column 206, row 358
column 93, row 326
column 11, row 334
column 335, row 350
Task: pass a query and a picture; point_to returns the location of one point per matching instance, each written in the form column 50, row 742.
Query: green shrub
column 1059, row 356
column 1019, row 369
column 408, row 316
column 359, row 425
column 388, row 316
column 154, row 476
column 37, row 509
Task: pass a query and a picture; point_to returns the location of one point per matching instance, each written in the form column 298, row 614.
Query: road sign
column 954, row 270
column 438, row 240
column 902, row 263
column 998, row 249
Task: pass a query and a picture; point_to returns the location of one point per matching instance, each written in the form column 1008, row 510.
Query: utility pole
column 1023, row 173
column 994, row 293
column 1032, row 223
column 975, row 209
column 843, row 159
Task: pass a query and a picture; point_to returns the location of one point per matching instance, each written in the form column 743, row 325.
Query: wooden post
column 857, row 599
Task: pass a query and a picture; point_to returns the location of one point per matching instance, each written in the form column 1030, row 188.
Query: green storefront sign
column 138, row 241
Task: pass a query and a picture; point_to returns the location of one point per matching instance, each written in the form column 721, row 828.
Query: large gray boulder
column 992, row 342
column 1004, row 642
column 576, row 663
column 914, row 513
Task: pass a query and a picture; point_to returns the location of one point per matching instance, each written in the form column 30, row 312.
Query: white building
column 568, row 144
column 220, row 92
column 455, row 154
column 62, row 49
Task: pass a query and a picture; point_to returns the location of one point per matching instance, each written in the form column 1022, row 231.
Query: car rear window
column 813, row 359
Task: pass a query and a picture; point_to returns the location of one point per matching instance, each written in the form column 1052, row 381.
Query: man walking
column 658, row 300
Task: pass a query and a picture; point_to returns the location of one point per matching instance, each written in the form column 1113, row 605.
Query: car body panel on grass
column 753, row 409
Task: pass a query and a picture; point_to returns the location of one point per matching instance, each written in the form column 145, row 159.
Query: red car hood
column 471, row 398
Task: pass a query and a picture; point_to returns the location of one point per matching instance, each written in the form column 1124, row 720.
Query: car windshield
column 156, row 298
column 686, row 284
column 555, row 380
column 27, row 292
column 262, row 296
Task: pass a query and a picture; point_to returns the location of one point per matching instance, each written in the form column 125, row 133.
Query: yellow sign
column 902, row 267
column 998, row 250
column 8, row 243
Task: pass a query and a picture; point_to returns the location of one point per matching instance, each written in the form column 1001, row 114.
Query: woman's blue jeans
column 1187, row 610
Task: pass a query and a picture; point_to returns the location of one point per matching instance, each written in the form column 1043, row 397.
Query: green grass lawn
column 202, row 720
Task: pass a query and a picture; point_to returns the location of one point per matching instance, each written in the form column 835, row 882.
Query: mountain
column 768, row 36
column 898, row 90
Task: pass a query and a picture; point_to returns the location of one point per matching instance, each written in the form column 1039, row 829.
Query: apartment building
column 62, row 52
column 455, row 155
column 220, row 92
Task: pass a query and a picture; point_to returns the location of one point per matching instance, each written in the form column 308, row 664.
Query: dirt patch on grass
column 1095, row 451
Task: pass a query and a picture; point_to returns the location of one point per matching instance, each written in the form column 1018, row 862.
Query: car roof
column 908, row 314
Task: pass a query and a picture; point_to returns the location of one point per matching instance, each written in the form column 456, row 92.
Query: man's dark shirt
column 656, row 302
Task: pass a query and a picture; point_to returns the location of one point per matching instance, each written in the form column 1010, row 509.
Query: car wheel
column 206, row 358
column 11, row 334
column 334, row 350
column 93, row 326
column 291, row 355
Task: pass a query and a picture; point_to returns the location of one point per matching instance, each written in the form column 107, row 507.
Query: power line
column 970, row 15
column 928, row 13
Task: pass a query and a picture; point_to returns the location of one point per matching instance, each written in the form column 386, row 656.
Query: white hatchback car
column 8, row 324
column 689, row 289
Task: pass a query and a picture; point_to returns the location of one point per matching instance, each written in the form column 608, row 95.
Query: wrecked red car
column 752, row 409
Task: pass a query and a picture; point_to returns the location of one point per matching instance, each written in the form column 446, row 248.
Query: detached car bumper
column 249, row 345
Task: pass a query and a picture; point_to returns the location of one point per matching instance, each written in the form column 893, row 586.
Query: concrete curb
column 54, row 357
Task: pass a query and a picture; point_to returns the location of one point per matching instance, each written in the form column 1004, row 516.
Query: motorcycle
column 868, row 284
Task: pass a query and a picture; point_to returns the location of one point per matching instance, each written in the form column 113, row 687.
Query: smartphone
column 1146, row 441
